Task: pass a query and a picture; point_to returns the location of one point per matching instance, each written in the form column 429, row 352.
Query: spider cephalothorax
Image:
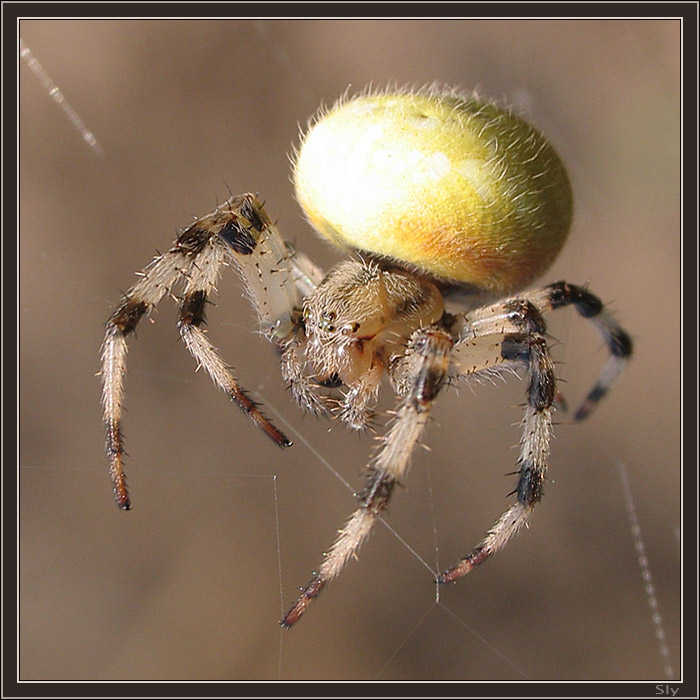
column 442, row 197
column 358, row 319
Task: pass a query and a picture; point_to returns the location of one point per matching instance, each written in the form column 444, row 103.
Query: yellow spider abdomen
column 451, row 185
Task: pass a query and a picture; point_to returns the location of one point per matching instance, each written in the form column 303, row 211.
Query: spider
column 451, row 206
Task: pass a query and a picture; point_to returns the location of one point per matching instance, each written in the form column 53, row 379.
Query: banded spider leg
column 517, row 332
column 509, row 333
column 424, row 369
column 240, row 233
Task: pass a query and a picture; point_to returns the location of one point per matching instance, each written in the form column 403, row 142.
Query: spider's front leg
column 241, row 233
column 238, row 232
column 424, row 369
column 156, row 281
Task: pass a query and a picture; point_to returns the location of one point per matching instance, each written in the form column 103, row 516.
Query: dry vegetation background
column 187, row 585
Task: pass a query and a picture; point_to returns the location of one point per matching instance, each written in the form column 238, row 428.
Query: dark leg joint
column 530, row 485
column 127, row 315
column 375, row 496
column 242, row 232
column 542, row 381
column 192, row 240
column 563, row 294
column 620, row 343
column 192, row 309
column 514, row 348
column 532, row 350
column 427, row 387
column 524, row 314
column 433, row 345
column 252, row 214
column 238, row 237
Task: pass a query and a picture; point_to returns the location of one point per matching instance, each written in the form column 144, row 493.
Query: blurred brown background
column 189, row 585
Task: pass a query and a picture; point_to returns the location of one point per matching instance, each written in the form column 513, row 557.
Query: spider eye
column 326, row 324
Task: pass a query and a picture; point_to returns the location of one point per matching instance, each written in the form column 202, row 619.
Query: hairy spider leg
column 426, row 362
column 561, row 294
column 156, row 281
column 238, row 232
column 520, row 336
column 517, row 329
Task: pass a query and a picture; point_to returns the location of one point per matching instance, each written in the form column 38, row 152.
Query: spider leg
column 276, row 277
column 512, row 314
column 517, row 326
column 529, row 347
column 302, row 387
column 427, row 360
column 156, row 281
column 200, row 284
column 502, row 334
column 618, row 341
column 306, row 274
column 240, row 232
column 358, row 402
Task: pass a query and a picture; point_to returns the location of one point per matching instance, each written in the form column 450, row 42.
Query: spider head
column 344, row 318
column 360, row 315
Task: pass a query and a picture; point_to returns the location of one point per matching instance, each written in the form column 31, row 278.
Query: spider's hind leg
column 561, row 294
